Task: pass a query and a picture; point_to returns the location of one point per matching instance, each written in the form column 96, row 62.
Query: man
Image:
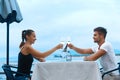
column 103, row 51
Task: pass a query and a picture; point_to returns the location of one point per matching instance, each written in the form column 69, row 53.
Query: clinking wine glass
column 65, row 43
column 68, row 40
column 62, row 41
column 65, row 55
column 68, row 54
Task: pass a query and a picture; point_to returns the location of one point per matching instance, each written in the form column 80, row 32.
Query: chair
column 111, row 71
column 10, row 73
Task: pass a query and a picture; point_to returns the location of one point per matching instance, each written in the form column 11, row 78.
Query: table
column 85, row 70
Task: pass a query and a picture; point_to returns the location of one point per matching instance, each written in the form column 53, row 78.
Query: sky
column 53, row 20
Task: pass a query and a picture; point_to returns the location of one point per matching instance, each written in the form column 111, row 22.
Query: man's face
column 96, row 37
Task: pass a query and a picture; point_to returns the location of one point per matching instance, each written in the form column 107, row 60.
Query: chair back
column 8, row 72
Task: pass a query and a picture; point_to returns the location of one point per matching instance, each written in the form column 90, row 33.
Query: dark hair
column 24, row 33
column 101, row 30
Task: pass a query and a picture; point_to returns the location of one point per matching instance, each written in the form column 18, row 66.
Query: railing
column 2, row 76
column 2, row 73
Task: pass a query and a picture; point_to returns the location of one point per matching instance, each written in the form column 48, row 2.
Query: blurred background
column 56, row 20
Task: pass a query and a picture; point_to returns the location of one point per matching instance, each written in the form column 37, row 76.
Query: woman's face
column 32, row 38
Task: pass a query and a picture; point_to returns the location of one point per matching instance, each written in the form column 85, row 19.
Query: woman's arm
column 38, row 54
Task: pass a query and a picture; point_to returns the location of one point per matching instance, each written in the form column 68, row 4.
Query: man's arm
column 95, row 56
column 83, row 51
column 80, row 50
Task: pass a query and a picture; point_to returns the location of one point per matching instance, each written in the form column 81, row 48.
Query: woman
column 27, row 52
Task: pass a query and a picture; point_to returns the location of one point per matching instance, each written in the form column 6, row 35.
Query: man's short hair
column 101, row 30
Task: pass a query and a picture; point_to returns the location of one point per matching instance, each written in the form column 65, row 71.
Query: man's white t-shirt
column 107, row 61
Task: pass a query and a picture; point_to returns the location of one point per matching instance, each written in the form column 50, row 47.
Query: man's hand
column 70, row 46
column 85, row 58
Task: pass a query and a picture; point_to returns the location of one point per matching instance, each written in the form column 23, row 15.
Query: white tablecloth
column 86, row 70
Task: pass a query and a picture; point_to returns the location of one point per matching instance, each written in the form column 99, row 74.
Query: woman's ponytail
column 23, row 38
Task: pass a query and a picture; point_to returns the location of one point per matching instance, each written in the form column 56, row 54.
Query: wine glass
column 62, row 52
column 62, row 40
column 68, row 40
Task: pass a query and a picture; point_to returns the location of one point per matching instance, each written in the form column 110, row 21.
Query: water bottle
column 63, row 56
column 68, row 56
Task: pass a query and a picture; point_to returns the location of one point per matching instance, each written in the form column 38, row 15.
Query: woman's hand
column 41, row 59
column 59, row 46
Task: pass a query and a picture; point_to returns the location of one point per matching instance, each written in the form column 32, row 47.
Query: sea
column 53, row 58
